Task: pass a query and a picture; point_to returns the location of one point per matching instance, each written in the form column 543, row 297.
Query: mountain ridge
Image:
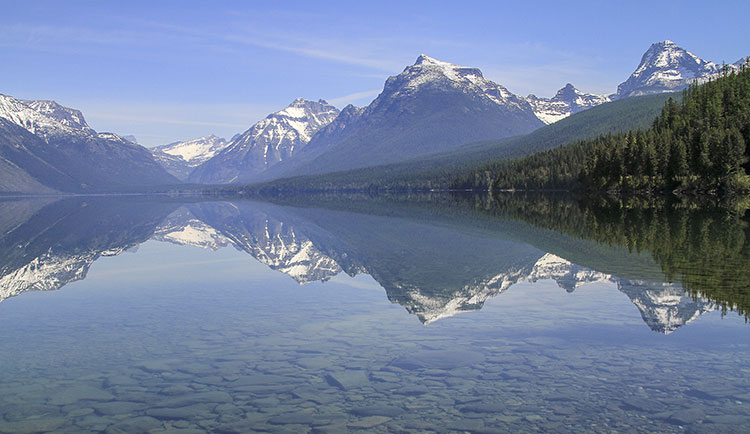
column 54, row 146
column 277, row 137
column 431, row 106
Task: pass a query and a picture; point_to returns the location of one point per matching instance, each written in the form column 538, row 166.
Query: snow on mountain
column 567, row 101
column 430, row 73
column 276, row 138
column 194, row 152
column 43, row 118
column 666, row 67
column 181, row 158
column 53, row 145
column 432, row 106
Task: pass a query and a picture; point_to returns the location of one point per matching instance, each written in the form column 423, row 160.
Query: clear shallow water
column 171, row 336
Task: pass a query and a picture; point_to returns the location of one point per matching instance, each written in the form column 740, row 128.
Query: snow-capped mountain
column 567, row 101
column 43, row 118
column 431, row 106
column 48, row 144
column 180, row 158
column 430, row 73
column 276, row 138
column 665, row 67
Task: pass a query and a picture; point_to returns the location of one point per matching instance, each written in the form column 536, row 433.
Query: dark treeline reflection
column 704, row 245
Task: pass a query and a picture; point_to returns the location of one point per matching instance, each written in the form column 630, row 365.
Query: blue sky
column 167, row 71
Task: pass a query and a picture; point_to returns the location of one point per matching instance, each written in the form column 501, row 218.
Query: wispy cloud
column 152, row 120
column 357, row 54
column 355, row 97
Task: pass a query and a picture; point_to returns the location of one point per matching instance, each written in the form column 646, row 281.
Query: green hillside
column 697, row 145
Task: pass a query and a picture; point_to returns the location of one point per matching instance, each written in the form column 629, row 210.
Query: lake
column 381, row 314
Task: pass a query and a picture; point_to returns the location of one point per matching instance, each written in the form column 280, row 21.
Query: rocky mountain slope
column 430, row 107
column 52, row 148
column 666, row 67
column 276, row 138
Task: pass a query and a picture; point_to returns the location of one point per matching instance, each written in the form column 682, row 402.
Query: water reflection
column 436, row 258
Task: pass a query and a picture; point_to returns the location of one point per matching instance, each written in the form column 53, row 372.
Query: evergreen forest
column 697, row 145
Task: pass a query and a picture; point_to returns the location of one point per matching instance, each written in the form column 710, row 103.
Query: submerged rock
column 32, row 425
column 79, row 393
column 438, row 359
column 369, row 422
column 347, row 379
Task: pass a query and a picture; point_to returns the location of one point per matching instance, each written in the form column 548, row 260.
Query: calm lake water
column 386, row 315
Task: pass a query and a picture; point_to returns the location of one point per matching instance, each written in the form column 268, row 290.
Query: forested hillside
column 697, row 145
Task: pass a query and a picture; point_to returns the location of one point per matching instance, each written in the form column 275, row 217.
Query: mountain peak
column 423, row 58
column 666, row 67
column 430, row 73
column 303, row 108
column 568, row 91
column 567, row 101
column 271, row 140
column 664, row 43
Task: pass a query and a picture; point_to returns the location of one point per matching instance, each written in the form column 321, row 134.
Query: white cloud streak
column 354, row 97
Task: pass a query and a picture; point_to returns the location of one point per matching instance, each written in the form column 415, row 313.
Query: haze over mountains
column 432, row 106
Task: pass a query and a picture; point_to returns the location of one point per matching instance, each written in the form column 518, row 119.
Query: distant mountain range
column 567, row 101
column 431, row 107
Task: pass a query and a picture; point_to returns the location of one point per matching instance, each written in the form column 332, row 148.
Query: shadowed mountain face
column 46, row 147
column 432, row 106
column 435, row 258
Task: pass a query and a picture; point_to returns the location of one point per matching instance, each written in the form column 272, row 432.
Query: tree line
column 700, row 144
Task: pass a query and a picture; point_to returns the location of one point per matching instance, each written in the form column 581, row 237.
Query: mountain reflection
column 437, row 257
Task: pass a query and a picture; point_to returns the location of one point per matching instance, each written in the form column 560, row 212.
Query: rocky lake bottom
column 176, row 338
